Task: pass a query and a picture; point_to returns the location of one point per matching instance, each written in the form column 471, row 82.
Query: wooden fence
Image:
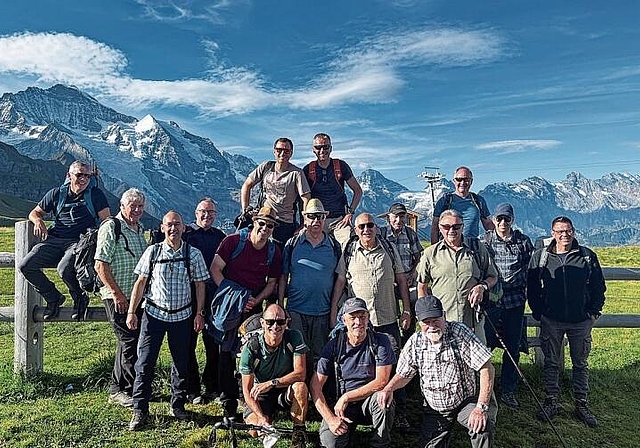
column 27, row 310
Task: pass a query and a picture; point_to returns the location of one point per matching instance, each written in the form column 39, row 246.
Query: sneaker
column 509, row 400
column 195, row 399
column 400, row 422
column 80, row 308
column 138, row 420
column 299, row 438
column 121, row 398
column 583, row 414
column 550, row 406
column 179, row 414
column 52, row 310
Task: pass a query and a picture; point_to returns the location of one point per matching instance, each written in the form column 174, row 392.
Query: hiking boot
column 401, row 423
column 583, row 414
column 52, row 310
column 121, row 398
column 195, row 399
column 509, row 400
column 138, row 420
column 550, row 406
column 211, row 397
column 80, row 308
column 299, row 438
column 179, row 414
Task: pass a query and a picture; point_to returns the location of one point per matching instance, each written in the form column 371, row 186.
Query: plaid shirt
column 409, row 253
column 512, row 264
column 170, row 285
column 121, row 262
column 447, row 378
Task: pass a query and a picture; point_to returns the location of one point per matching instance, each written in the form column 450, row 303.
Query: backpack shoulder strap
column 383, row 232
column 187, row 259
column 476, row 202
column 337, row 170
column 474, row 246
column 291, row 244
column 448, row 201
column 313, row 165
column 271, row 252
column 386, row 245
column 348, row 251
column 244, row 235
column 88, row 201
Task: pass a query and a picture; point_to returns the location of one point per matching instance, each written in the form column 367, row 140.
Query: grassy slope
column 45, row 412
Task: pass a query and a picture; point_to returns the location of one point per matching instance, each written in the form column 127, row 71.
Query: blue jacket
column 226, row 314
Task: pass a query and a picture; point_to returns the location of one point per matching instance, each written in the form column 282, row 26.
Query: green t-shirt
column 272, row 364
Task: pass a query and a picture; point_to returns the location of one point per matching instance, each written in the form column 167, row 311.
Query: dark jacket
column 569, row 291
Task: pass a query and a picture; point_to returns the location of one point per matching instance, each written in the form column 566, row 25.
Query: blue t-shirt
column 467, row 208
column 311, row 278
column 328, row 189
column 75, row 217
column 358, row 364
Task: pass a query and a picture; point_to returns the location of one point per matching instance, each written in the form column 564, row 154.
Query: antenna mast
column 432, row 176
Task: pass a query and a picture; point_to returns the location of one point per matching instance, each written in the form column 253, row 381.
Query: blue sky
column 510, row 88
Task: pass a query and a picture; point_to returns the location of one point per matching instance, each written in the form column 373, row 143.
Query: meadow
column 66, row 405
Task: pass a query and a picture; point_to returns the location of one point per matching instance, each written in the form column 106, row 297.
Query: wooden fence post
column 28, row 337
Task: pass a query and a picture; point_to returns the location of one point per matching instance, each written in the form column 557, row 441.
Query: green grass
column 44, row 411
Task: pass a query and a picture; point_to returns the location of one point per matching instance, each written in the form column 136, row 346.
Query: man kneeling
column 273, row 368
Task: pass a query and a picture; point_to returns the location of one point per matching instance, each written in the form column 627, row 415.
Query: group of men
column 356, row 283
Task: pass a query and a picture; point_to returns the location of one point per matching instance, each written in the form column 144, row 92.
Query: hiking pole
column 482, row 311
column 272, row 433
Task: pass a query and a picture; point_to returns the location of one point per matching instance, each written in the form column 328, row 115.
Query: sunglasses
column 462, row 179
column 268, row 225
column 321, row 147
column 368, row 225
column 270, row 322
column 313, row 216
column 282, row 149
column 448, row 227
column 504, row 218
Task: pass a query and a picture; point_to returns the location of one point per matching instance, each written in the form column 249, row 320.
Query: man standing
column 457, row 270
column 282, row 184
column 77, row 206
column 273, row 369
column 471, row 206
column 511, row 250
column 565, row 290
column 357, row 363
column 119, row 247
column 255, row 267
column 202, row 235
column 447, row 356
column 308, row 264
column 169, row 267
column 327, row 177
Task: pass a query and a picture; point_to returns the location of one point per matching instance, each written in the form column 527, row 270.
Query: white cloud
column 515, row 146
column 185, row 10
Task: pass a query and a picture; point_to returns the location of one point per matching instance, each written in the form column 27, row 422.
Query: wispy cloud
column 186, row 10
column 516, row 146
column 369, row 73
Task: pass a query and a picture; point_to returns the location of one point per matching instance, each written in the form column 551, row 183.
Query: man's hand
column 260, row 388
column 345, row 221
column 198, row 323
column 475, row 295
column 40, row 230
column 251, row 303
column 120, row 302
column 477, row 420
column 405, row 321
column 385, row 398
column 341, row 406
column 132, row 321
column 337, row 425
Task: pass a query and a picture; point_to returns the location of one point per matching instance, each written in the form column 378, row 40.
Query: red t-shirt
column 249, row 268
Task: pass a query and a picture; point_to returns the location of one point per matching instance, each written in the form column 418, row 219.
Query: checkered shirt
column 170, row 285
column 443, row 385
column 121, row 262
column 409, row 254
column 512, row 266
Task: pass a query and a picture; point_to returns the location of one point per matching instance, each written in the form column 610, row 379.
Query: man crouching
column 273, row 368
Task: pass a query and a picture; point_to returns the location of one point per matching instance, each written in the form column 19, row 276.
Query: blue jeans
column 152, row 333
column 510, row 328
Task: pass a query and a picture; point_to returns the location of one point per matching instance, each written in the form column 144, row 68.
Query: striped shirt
column 170, row 285
column 447, row 370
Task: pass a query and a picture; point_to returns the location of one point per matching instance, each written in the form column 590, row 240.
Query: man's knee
column 300, row 391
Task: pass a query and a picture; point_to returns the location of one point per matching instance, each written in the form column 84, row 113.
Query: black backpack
column 85, row 251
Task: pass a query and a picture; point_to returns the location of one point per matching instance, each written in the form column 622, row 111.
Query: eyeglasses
column 368, row 225
column 313, row 216
column 448, row 227
column 207, row 212
column 504, row 218
column 566, row 232
column 282, row 149
column 270, row 322
column 462, row 179
column 268, row 225
column 321, row 147
column 81, row 175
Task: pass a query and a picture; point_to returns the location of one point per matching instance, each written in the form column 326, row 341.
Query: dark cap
column 504, row 209
column 428, row 307
column 397, row 208
column 354, row 304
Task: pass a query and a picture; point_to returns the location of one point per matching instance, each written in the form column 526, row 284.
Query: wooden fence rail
column 27, row 310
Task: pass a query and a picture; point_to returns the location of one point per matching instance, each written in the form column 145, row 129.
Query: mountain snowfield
column 176, row 168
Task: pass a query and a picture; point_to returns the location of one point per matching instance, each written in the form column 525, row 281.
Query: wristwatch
column 484, row 285
column 201, row 313
column 275, row 382
column 484, row 407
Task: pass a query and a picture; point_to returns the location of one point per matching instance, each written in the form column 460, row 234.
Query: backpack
column 413, row 241
column 494, row 294
column 244, row 236
column 337, row 172
column 298, row 205
column 250, row 332
column 474, row 199
column 85, row 251
column 291, row 244
column 350, row 247
column 88, row 198
column 155, row 254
